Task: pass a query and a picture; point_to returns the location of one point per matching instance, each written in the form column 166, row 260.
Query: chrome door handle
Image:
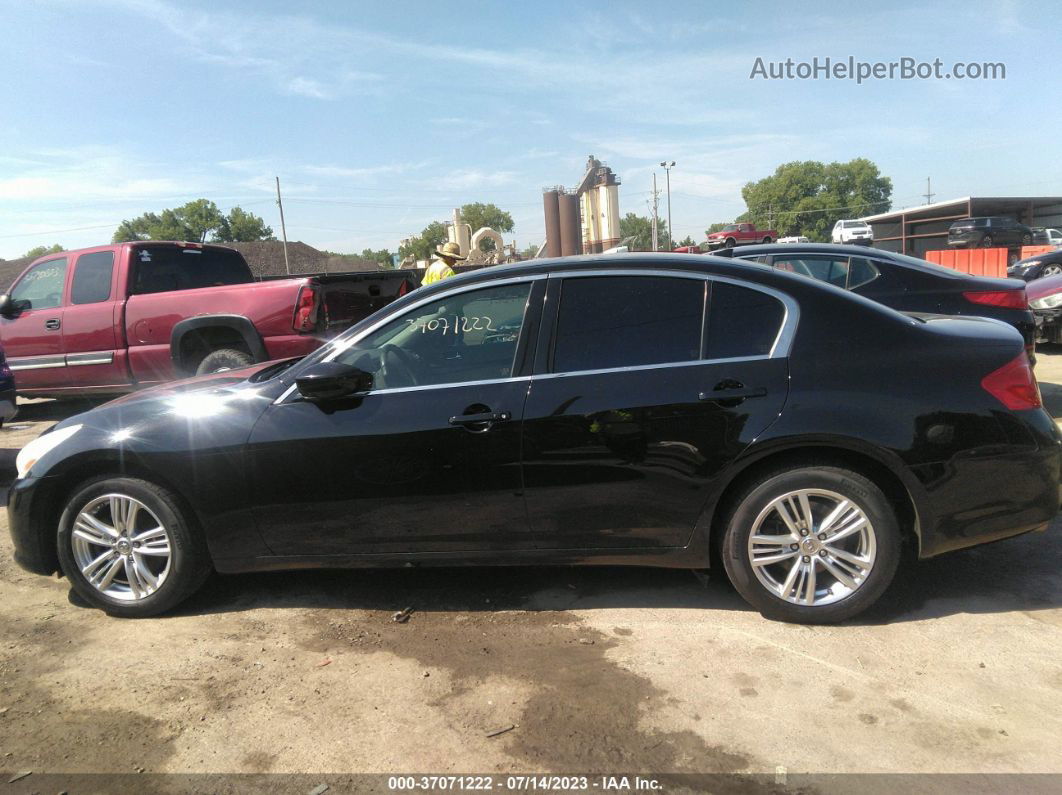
column 479, row 419
column 52, row 324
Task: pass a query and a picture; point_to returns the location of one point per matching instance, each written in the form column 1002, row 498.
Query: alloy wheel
column 121, row 547
column 812, row 547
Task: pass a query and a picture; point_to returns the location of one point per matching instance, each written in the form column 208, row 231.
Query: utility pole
column 929, row 194
column 283, row 230
column 670, row 229
column 656, row 197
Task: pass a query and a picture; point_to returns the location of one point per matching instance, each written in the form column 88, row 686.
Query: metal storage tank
column 571, row 238
column 551, row 207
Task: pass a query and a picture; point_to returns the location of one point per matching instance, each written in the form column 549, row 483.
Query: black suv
column 989, row 232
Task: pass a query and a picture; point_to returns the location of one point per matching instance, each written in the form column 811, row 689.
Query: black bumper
column 27, row 507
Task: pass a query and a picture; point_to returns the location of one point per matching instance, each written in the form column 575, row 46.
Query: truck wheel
column 224, row 359
column 986, row 241
column 730, row 242
column 128, row 548
column 767, row 239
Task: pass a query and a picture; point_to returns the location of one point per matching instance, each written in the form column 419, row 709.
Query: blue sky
column 379, row 117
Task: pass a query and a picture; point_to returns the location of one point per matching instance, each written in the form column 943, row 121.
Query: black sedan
column 904, row 283
column 1037, row 266
column 629, row 409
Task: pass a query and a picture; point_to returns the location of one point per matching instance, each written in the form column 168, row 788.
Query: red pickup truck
column 740, row 234
column 113, row 318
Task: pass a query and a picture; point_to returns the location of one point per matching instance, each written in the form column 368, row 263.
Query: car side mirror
column 7, row 306
column 333, row 380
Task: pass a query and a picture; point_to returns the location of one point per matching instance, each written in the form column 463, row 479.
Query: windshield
column 729, row 228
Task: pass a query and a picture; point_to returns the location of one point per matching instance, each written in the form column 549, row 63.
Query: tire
column 177, row 574
column 224, row 359
column 1026, row 240
column 1051, row 270
column 986, row 241
column 767, row 239
column 877, row 543
column 730, row 243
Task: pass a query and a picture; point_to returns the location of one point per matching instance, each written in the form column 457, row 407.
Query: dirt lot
column 599, row 670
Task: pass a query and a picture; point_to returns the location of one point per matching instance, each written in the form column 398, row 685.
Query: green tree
column 381, row 257
column 478, row 215
column 40, row 251
column 423, row 246
column 636, row 232
column 195, row 221
column 240, row 226
column 687, row 241
column 808, row 197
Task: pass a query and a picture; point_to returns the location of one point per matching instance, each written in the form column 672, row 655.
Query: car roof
column 810, row 248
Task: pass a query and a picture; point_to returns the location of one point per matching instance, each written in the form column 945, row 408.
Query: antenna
column 929, row 193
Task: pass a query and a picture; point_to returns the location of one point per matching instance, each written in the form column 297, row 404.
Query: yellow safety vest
column 436, row 272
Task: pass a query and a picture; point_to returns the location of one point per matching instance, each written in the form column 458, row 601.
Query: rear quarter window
column 741, row 321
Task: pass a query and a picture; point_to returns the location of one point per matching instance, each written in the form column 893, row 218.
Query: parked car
column 1046, row 237
column 8, row 399
column 1036, row 267
column 739, row 235
column 903, row 283
column 1045, row 300
column 990, row 232
column 852, row 231
column 629, row 409
column 113, row 318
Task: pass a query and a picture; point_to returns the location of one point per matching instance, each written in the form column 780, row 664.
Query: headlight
column 42, row 445
column 1030, row 264
column 1047, row 302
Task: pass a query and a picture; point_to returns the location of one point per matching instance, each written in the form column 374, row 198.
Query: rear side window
column 42, row 286
column 92, row 278
column 626, row 321
column 160, row 269
column 861, row 271
column 742, row 322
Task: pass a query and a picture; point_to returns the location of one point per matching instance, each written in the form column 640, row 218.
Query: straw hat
column 450, row 250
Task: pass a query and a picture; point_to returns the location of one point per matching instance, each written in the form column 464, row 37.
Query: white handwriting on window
column 461, row 323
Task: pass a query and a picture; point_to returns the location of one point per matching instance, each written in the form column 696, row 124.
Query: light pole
column 670, row 229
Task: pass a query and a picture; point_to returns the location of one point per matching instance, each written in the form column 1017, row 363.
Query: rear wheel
column 224, row 359
column 767, row 239
column 986, row 241
column 814, row 545
column 127, row 548
column 1026, row 240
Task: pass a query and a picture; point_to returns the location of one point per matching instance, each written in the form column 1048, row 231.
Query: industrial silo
column 551, row 207
column 570, row 232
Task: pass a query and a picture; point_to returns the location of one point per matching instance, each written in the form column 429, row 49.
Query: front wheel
column 127, row 548
column 1026, row 240
column 730, row 243
column 1051, row 270
column 814, row 545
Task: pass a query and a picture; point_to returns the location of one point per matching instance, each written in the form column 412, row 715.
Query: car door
column 429, row 459
column 94, row 353
column 32, row 333
column 638, row 403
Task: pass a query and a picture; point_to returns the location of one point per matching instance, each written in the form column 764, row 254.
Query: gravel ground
column 600, row 670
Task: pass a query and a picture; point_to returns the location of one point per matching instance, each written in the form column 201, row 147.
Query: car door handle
column 487, row 417
column 732, row 390
column 52, row 324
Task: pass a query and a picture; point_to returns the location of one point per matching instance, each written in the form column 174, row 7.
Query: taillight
column 306, row 310
column 1014, row 384
column 1009, row 299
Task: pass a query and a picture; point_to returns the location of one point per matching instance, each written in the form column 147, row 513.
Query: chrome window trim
column 340, row 348
column 780, row 348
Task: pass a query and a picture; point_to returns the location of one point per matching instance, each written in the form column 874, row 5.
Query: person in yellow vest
column 442, row 267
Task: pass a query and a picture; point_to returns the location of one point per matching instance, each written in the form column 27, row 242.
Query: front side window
column 42, row 286
column 467, row 336
column 92, row 278
column 627, row 321
column 742, row 321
